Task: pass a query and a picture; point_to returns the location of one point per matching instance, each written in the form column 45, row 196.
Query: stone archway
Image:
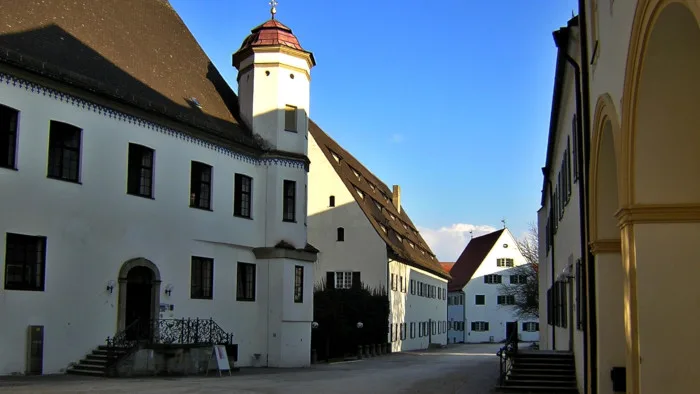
column 605, row 243
column 660, row 218
column 137, row 270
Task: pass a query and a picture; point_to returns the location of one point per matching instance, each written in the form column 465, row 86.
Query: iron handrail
column 506, row 355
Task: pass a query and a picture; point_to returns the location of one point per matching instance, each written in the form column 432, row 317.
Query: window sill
column 201, row 298
column 245, row 299
column 19, row 288
column 242, row 217
column 77, row 182
column 9, row 168
column 290, row 131
column 289, row 220
column 141, row 195
column 299, row 302
column 202, row 209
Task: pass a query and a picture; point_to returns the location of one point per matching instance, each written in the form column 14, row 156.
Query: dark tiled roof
column 137, row 52
column 471, row 258
column 375, row 200
column 447, row 266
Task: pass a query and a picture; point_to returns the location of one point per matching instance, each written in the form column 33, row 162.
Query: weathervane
column 504, row 222
column 273, row 9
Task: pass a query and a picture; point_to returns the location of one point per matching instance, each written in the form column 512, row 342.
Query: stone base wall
column 171, row 360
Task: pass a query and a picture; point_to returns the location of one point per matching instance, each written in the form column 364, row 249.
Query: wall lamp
column 110, row 286
column 168, row 289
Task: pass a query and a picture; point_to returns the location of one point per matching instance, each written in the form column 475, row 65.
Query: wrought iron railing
column 123, row 343
column 188, row 332
column 506, row 354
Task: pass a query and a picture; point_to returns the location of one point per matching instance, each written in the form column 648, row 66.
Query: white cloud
column 397, row 138
column 448, row 242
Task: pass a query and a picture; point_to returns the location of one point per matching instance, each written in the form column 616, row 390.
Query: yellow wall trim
column 606, row 246
column 658, row 213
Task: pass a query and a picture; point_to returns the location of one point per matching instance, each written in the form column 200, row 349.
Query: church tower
column 274, row 75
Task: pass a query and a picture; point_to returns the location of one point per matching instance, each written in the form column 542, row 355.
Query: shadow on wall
column 53, row 52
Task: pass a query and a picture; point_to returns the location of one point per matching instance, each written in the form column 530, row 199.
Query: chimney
column 397, row 197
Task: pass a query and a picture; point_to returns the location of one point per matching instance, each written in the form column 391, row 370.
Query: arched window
column 341, row 234
column 331, row 201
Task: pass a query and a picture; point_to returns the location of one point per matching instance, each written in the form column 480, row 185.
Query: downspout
column 589, row 258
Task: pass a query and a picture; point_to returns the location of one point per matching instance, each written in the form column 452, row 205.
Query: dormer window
column 382, row 227
column 413, row 246
column 290, row 118
column 359, row 193
column 379, row 206
column 371, row 186
column 399, row 238
column 335, row 157
column 391, row 215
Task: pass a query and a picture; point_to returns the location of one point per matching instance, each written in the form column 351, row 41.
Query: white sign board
column 222, row 364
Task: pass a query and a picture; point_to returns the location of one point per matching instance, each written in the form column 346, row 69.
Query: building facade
column 366, row 238
column 143, row 188
column 639, row 82
column 478, row 310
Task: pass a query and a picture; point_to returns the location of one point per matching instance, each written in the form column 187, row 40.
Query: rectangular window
column 8, row 137
column 298, row 284
column 343, row 280
column 492, row 279
column 25, row 262
column 506, row 300
column 413, row 286
column 242, row 198
column 518, row 279
column 480, row 299
column 504, row 263
column 140, row 171
column 531, row 326
column 64, row 152
column 403, row 285
column 289, row 202
column 413, row 329
column 290, row 118
column 202, row 278
column 480, row 326
column 200, row 185
column 574, row 134
column 402, row 326
column 245, row 288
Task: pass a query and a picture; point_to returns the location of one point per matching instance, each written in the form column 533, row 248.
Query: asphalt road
column 458, row 369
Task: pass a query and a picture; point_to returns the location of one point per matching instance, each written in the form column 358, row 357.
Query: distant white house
column 366, row 238
column 476, row 310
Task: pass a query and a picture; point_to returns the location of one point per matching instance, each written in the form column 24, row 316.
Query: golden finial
column 273, row 9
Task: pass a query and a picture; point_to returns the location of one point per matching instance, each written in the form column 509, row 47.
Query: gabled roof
column 471, row 258
column 447, row 266
column 135, row 52
column 375, row 200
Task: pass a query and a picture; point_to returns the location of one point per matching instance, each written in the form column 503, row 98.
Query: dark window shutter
column 356, row 281
column 487, row 326
column 330, row 280
column 237, row 194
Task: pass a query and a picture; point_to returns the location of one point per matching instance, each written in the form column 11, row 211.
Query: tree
column 525, row 292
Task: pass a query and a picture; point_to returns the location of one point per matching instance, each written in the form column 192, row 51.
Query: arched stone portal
column 139, row 292
column 605, row 244
column 660, row 218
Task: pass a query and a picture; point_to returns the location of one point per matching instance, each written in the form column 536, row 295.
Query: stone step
column 541, row 376
column 85, row 372
column 543, row 366
column 538, row 383
column 561, row 372
column 538, row 389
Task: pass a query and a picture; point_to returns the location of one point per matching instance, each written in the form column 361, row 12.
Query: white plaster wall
column 363, row 249
column 94, row 227
column 270, row 93
column 496, row 315
column 567, row 240
column 407, row 307
column 455, row 313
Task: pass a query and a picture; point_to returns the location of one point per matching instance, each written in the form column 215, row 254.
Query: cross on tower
column 273, row 9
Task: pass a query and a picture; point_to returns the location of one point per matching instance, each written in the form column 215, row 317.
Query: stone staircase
column 95, row 363
column 541, row 372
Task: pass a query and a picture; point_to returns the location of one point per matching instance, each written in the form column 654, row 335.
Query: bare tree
column 525, row 289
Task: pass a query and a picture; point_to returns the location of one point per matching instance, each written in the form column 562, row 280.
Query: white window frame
column 343, row 279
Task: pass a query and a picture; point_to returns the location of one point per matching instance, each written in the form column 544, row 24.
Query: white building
column 367, row 238
column 137, row 185
column 477, row 311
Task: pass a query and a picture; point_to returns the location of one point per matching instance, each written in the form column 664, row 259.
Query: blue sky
column 449, row 99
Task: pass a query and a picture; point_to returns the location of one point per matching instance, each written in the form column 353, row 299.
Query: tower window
column 331, row 201
column 341, row 234
column 290, row 118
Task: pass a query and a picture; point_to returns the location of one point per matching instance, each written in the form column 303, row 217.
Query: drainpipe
column 590, row 324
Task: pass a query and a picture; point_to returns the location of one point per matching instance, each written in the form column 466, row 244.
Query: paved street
column 463, row 369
